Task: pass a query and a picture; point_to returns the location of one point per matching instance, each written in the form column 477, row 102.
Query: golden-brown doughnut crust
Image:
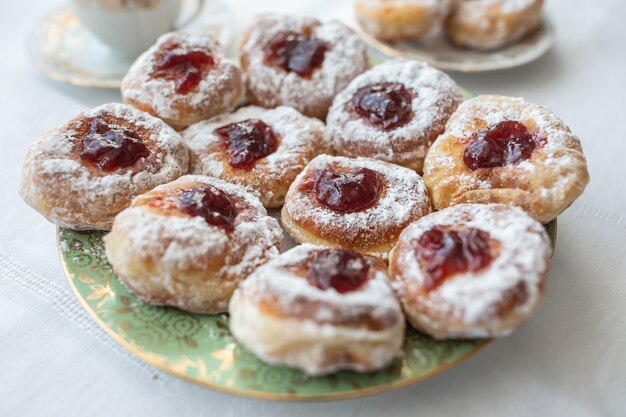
column 168, row 257
column 79, row 195
column 395, row 20
column 284, row 319
column 544, row 185
column 300, row 139
column 271, row 86
column 492, row 24
column 435, row 96
column 489, row 302
column 373, row 230
column 219, row 91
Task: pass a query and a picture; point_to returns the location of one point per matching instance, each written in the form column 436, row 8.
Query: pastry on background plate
column 396, row 20
column 82, row 174
column 393, row 112
column 319, row 310
column 299, row 61
column 499, row 149
column 353, row 203
column 492, row 24
column 472, row 270
column 184, row 78
column 263, row 149
column 188, row 243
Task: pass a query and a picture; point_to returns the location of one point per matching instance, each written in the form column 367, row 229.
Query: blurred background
column 569, row 360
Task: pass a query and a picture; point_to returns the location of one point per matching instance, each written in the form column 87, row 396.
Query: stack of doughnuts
column 183, row 175
column 476, row 24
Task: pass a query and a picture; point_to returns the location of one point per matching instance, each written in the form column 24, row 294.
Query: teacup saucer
column 65, row 51
column 439, row 52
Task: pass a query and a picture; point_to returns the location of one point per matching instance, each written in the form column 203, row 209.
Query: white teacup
column 129, row 27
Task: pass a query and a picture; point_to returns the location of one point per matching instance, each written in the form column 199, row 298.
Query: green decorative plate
column 200, row 348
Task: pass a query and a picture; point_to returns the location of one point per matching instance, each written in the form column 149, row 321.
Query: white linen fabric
column 569, row 360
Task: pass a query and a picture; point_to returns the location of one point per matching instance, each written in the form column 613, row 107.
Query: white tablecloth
column 569, row 360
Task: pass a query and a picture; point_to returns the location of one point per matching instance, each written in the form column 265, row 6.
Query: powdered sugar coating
column 300, row 139
column 544, row 185
column 490, row 24
column 403, row 200
column 435, row 97
column 189, row 241
column 269, row 86
column 311, row 341
column 490, row 302
column 505, row 6
column 394, row 20
column 275, row 279
column 70, row 194
column 177, row 245
column 219, row 91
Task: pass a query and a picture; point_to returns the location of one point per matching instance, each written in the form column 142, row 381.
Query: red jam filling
column 295, row 52
column 444, row 253
column 347, row 192
column 186, row 70
column 214, row 205
column 111, row 148
column 247, row 141
column 384, row 105
column 340, row 269
column 503, row 143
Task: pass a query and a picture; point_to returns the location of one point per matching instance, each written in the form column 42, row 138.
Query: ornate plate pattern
column 200, row 348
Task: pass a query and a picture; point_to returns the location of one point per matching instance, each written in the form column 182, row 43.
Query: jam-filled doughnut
column 299, row 61
column 263, row 149
column 472, row 270
column 353, row 203
column 183, row 78
column 393, row 112
column 319, row 310
column 188, row 243
column 395, row 20
column 81, row 174
column 492, row 24
column 503, row 150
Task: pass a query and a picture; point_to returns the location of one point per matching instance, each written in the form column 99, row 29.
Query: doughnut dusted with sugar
column 396, row 20
column 499, row 149
column 262, row 149
column 80, row 175
column 299, row 61
column 187, row 244
column 393, row 112
column 184, row 78
column 319, row 310
column 492, row 24
column 472, row 270
column 353, row 203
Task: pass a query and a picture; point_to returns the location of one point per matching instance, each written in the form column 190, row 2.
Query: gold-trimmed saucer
column 61, row 48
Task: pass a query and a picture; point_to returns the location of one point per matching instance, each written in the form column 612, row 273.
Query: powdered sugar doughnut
column 263, row 149
column 392, row 112
column 80, row 175
column 183, row 78
column 492, row 24
column 299, row 61
column 503, row 150
column 354, row 203
column 395, row 20
column 320, row 310
column 187, row 244
column 472, row 270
